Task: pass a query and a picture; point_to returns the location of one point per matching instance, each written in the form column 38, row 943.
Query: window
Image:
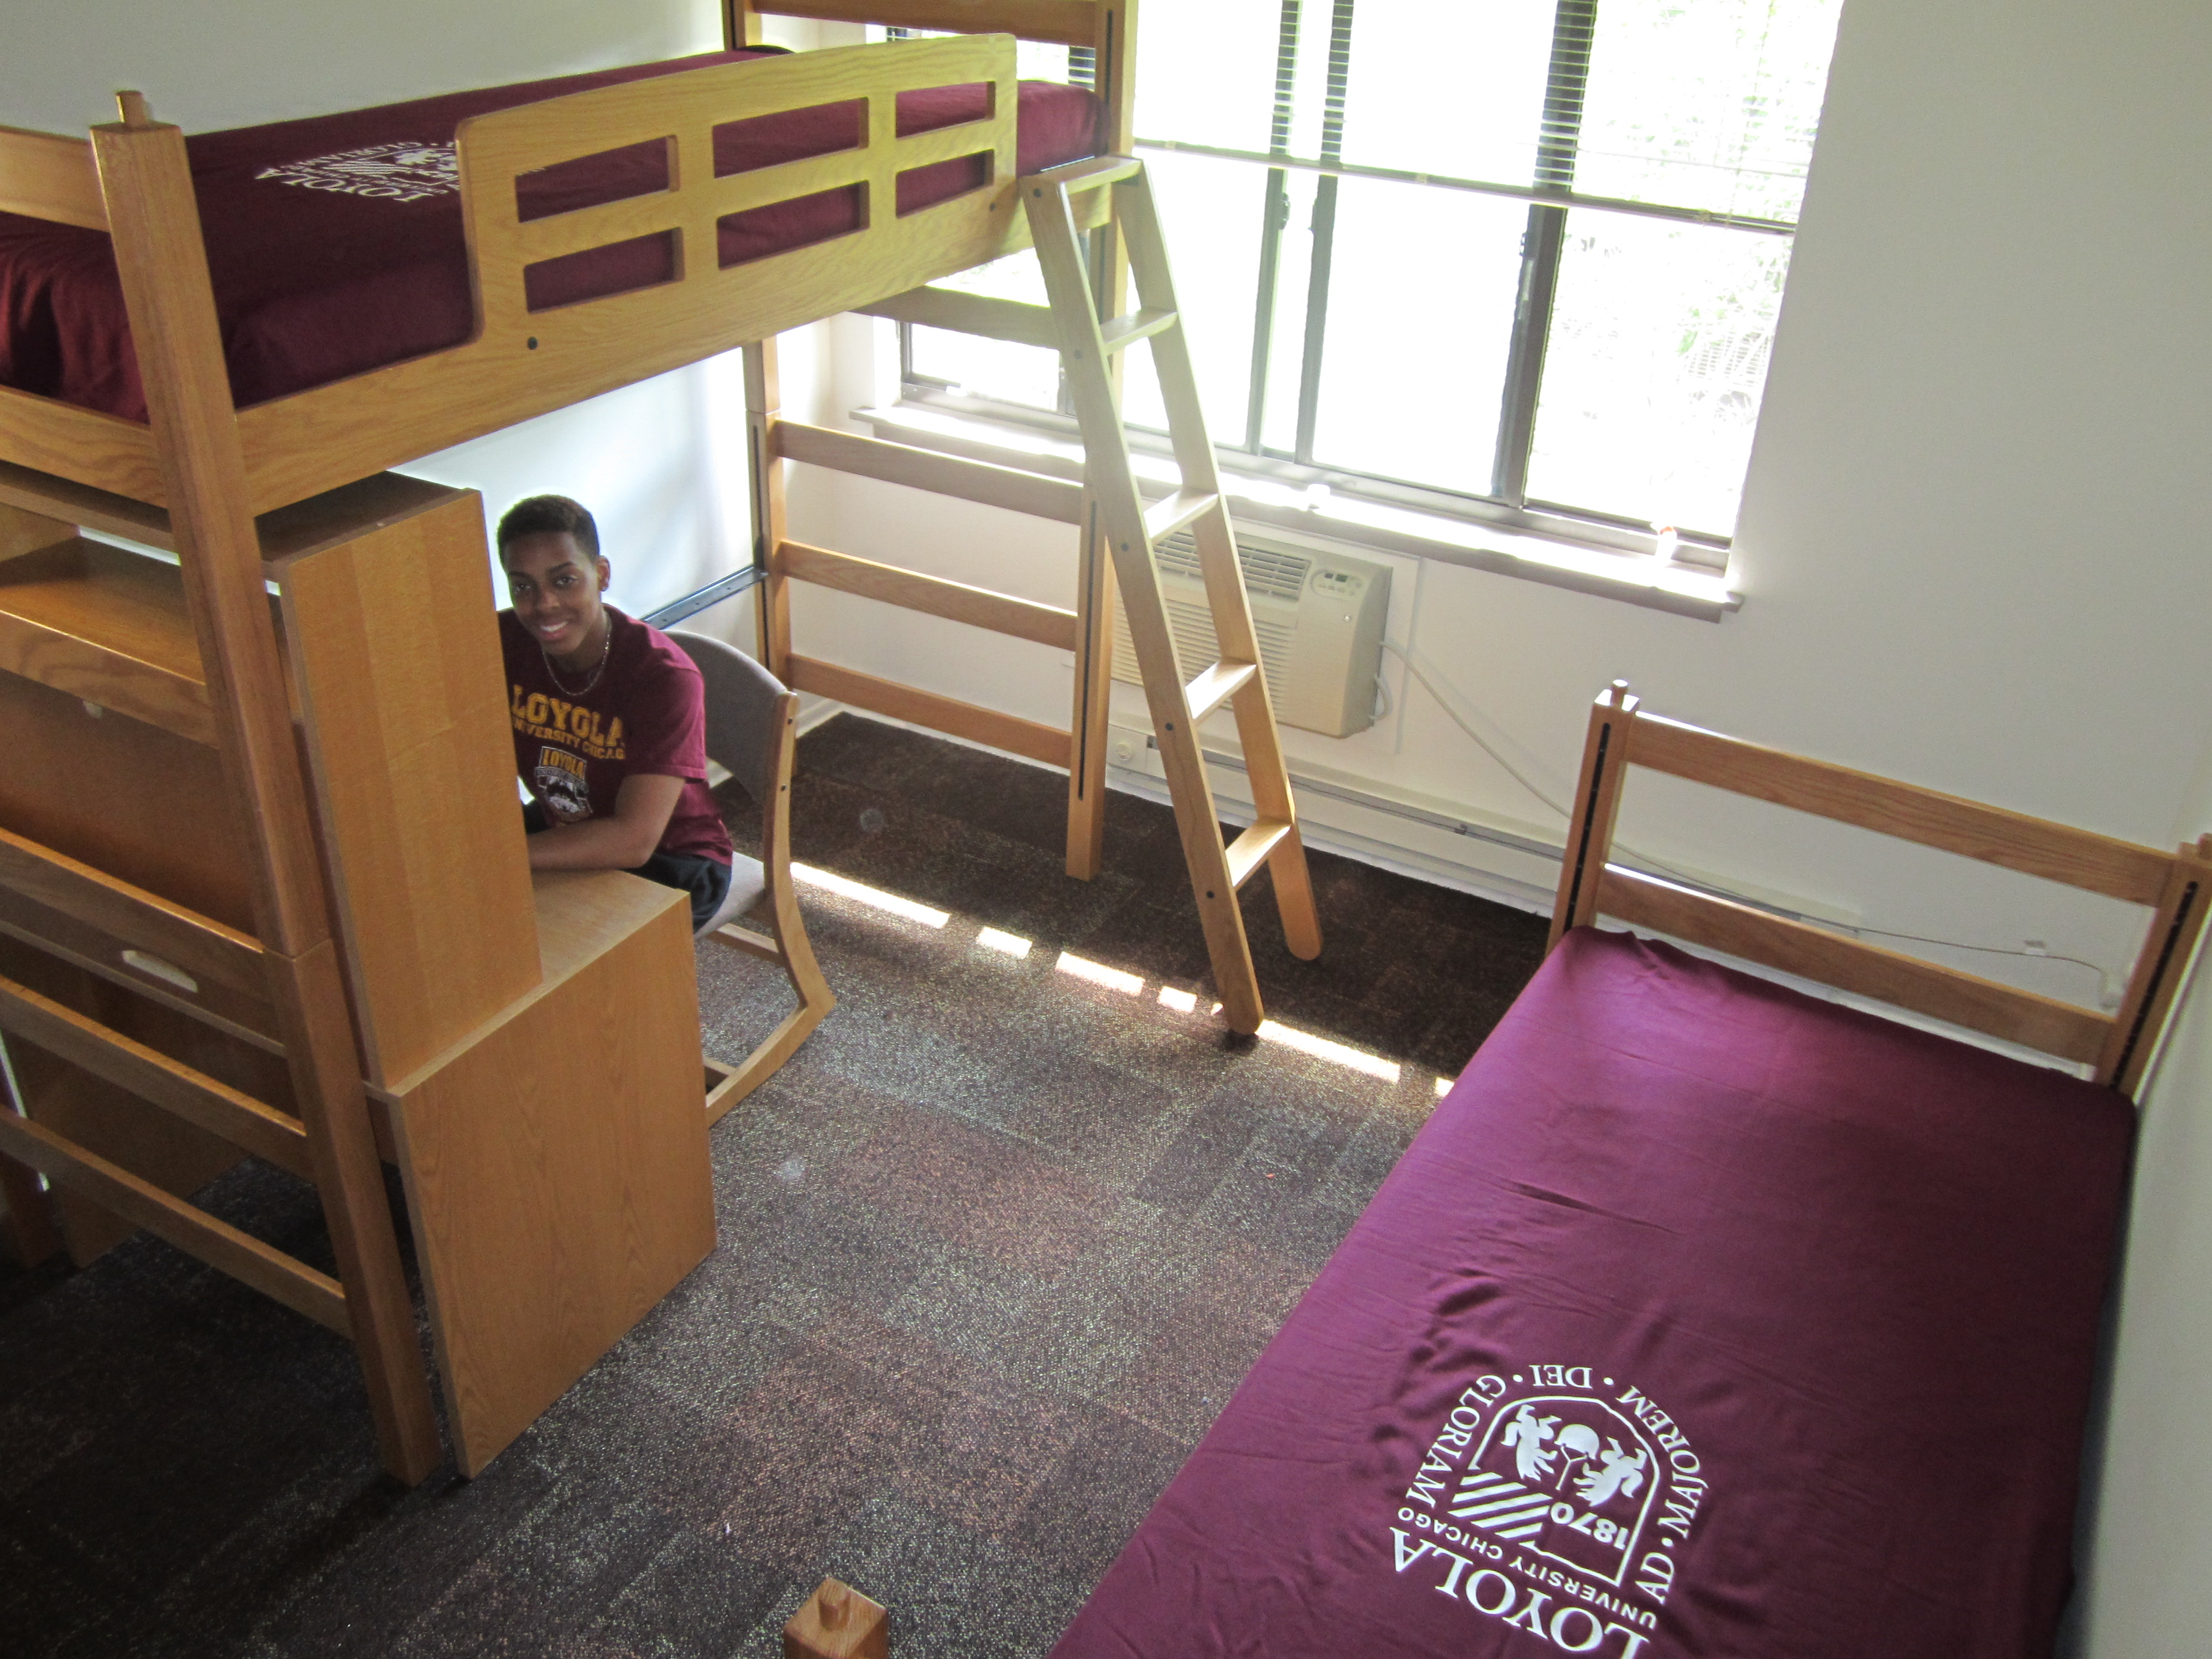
column 1516, row 259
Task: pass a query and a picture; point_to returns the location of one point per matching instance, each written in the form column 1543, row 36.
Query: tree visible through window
column 1519, row 258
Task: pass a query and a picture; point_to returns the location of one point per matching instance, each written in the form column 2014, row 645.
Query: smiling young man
column 610, row 717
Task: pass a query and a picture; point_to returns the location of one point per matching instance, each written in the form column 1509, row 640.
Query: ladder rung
column 1127, row 330
column 971, row 313
column 1216, row 686
column 1249, row 850
column 1164, row 517
column 1085, row 175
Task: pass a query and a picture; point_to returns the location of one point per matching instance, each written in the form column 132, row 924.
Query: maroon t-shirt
column 646, row 714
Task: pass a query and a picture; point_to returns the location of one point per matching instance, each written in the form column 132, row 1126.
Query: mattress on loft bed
column 335, row 244
column 1703, row 1318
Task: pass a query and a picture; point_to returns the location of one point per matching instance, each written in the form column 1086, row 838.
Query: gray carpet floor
column 994, row 1248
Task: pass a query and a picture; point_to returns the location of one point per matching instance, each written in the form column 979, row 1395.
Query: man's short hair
column 549, row 515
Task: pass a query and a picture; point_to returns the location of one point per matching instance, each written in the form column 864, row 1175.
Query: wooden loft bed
column 521, row 364
column 283, row 956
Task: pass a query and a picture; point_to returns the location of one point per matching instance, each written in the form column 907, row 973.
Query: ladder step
column 971, row 313
column 1127, row 330
column 1085, row 175
column 1249, row 850
column 1216, row 686
column 1178, row 512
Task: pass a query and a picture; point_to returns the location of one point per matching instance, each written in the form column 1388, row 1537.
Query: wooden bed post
column 1597, row 803
column 1113, row 58
column 2160, row 967
column 772, row 595
column 741, row 25
column 154, row 218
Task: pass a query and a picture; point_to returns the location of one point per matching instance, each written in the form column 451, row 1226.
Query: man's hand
column 642, row 808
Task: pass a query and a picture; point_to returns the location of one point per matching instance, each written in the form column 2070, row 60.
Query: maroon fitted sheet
column 335, row 244
column 1703, row 1319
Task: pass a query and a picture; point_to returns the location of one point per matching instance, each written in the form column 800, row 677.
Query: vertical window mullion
column 1324, row 226
column 1275, row 216
column 1558, row 139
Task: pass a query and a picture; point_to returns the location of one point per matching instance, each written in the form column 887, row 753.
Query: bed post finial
column 132, row 106
column 837, row 1622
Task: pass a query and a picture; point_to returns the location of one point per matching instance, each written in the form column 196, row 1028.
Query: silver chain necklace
column 606, row 644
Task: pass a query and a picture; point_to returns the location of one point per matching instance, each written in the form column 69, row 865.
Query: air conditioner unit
column 1319, row 618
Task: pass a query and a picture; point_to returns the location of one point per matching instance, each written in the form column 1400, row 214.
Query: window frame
column 1550, row 197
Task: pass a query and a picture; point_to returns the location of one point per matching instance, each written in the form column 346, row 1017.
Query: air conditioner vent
column 1318, row 618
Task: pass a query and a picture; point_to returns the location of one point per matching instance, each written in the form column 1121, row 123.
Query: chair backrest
column 742, row 701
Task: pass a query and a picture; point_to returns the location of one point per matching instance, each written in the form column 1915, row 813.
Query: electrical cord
column 1413, row 667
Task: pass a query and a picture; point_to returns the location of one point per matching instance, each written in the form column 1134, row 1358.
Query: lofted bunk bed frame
column 323, row 946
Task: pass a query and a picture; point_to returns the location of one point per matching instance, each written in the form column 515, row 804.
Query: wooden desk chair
column 752, row 729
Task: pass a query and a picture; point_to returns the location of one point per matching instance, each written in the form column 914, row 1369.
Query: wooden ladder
column 1087, row 347
column 1119, row 533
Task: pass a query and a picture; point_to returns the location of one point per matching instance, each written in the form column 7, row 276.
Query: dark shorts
column 707, row 880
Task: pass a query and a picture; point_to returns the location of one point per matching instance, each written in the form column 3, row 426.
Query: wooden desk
column 530, row 1047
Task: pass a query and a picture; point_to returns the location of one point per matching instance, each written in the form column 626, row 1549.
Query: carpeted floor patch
column 995, row 1247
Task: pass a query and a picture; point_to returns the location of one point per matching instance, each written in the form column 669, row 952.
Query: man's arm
column 643, row 805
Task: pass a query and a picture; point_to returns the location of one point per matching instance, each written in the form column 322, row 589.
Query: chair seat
column 748, row 881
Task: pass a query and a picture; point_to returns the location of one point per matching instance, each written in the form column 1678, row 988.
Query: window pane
column 1658, row 353
column 1208, row 71
column 1420, row 317
column 993, row 368
column 1209, row 216
column 1711, row 105
column 1455, row 87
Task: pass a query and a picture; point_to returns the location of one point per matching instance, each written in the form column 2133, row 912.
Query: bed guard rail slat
column 1062, row 22
column 273, row 1136
column 972, row 314
column 1979, row 1005
column 978, row 607
column 50, row 177
column 2078, row 857
column 217, row 1242
column 1057, row 499
column 1016, row 736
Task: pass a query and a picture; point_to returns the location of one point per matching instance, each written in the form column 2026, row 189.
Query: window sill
column 1683, row 590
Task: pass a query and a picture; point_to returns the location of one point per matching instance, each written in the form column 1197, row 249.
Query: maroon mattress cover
column 335, row 244
column 1703, row 1319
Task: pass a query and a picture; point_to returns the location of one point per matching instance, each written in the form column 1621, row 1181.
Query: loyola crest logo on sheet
column 1558, row 1502
column 1564, row 1475
column 394, row 172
